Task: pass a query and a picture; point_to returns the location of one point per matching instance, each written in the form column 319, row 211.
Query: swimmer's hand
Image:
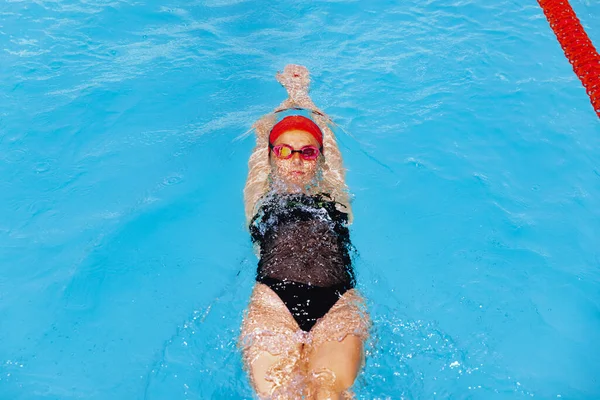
column 295, row 79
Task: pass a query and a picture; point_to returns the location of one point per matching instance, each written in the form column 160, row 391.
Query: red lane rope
column 577, row 46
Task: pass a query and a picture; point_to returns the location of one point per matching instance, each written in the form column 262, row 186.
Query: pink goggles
column 285, row 151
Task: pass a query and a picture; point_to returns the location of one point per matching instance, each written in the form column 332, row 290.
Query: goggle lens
column 285, row 151
column 309, row 153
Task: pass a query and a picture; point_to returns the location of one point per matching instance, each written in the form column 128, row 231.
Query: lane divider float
column 577, row 46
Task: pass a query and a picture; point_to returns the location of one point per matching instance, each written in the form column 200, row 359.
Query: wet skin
column 295, row 172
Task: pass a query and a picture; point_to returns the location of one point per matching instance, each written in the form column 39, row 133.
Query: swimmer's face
column 295, row 170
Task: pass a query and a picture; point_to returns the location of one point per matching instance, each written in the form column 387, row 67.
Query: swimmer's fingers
column 296, row 80
column 296, row 74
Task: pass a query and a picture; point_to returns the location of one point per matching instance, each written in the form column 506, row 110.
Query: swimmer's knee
column 327, row 385
column 272, row 375
column 259, row 374
column 327, row 394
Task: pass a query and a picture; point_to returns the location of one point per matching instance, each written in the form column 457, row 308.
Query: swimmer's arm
column 259, row 168
column 335, row 173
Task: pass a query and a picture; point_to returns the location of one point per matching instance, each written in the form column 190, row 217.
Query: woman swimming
column 304, row 331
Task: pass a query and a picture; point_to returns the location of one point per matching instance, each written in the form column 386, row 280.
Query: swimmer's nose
column 296, row 159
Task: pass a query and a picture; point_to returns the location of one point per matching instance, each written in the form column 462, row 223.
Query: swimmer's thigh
column 333, row 366
column 336, row 353
column 269, row 342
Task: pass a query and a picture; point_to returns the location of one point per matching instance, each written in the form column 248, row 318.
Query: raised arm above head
column 295, row 79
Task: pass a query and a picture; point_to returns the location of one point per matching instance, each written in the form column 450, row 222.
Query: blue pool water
column 473, row 154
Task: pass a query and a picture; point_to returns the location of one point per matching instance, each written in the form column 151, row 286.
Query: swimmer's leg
column 335, row 352
column 271, row 343
column 333, row 367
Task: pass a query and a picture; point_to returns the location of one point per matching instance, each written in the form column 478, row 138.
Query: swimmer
column 304, row 331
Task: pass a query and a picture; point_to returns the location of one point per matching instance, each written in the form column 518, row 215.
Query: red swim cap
column 296, row 123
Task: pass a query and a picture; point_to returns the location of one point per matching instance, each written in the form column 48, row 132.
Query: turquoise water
column 473, row 155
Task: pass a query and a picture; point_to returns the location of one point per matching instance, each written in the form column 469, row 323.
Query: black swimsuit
column 304, row 253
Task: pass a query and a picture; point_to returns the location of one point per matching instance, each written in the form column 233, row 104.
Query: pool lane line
column 577, row 46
